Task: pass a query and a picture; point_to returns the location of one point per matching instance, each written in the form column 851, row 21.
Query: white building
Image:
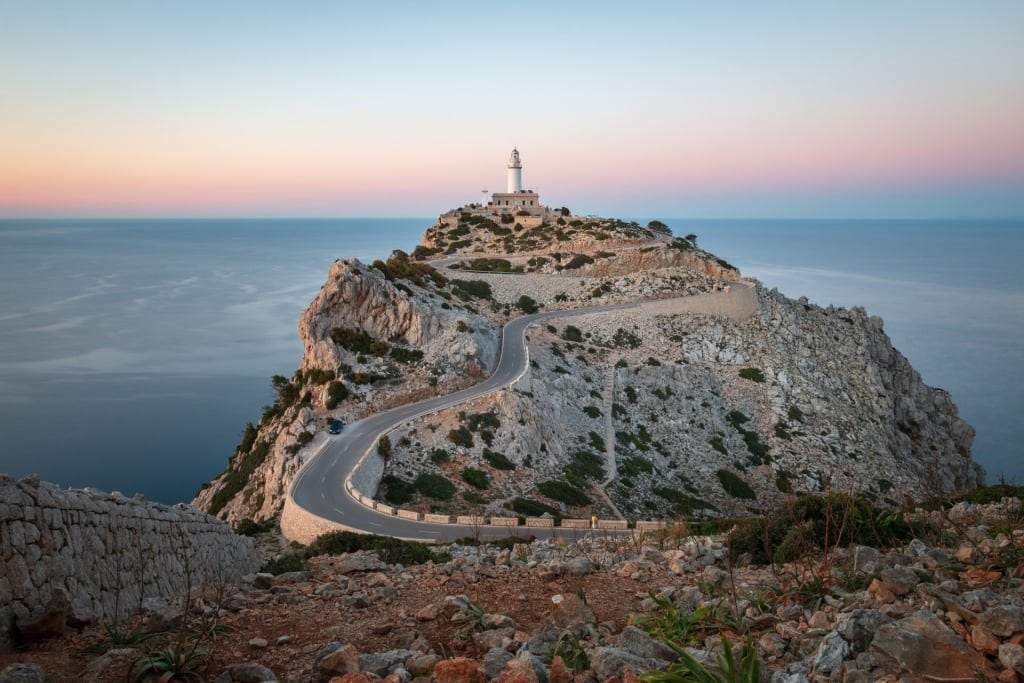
column 516, row 199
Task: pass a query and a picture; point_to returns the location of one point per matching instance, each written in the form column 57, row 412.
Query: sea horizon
column 113, row 339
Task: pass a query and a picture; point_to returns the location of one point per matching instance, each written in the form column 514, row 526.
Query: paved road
column 320, row 487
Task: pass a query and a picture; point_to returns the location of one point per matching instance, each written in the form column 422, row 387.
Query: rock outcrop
column 361, row 297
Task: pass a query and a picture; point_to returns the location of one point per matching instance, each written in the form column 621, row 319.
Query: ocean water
column 949, row 292
column 133, row 352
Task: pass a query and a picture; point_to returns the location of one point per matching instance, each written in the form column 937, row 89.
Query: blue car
column 335, row 427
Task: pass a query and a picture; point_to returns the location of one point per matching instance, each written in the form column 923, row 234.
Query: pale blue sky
column 172, row 107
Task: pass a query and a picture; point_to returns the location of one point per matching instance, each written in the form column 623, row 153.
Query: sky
column 772, row 109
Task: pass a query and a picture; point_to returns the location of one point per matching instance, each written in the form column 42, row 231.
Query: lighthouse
column 515, row 173
column 516, row 201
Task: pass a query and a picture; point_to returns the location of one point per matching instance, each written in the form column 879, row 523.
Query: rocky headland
column 707, row 396
column 784, row 447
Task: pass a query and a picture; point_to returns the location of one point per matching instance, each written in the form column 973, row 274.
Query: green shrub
column 625, row 339
column 533, row 508
column 237, row 475
column 358, row 341
column 471, row 289
column 634, row 466
column 304, row 438
column 527, row 304
column 316, row 376
column 397, row 491
column 434, row 486
column 498, row 460
column 461, row 437
column 682, row 504
column 578, row 260
column 390, row 550
column 474, row 498
column 477, row 420
column 597, row 441
column 284, row 564
column 439, row 455
column 812, row 522
column 336, row 393
column 753, row 374
column 735, row 486
column 572, row 334
column 475, row 478
column 406, row 356
column 592, row 411
column 583, row 467
column 563, row 492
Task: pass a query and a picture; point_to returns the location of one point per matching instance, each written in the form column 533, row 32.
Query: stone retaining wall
column 103, row 554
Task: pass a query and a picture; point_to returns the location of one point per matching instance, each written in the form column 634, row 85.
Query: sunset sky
column 681, row 109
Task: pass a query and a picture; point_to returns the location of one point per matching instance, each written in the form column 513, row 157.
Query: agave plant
column 689, row 670
column 170, row 664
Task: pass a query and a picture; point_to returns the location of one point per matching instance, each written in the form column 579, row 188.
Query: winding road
column 319, row 488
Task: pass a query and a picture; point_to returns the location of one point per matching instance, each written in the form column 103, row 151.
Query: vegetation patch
column 592, row 411
column 625, row 339
column 434, row 486
column 572, row 333
column 578, row 261
column 397, row 491
column 682, row 504
column 564, row 492
column 753, row 374
column 476, row 478
column 818, row 522
column 407, row 356
column 471, row 289
column 634, row 466
column 533, row 508
column 461, row 437
column 400, row 267
column 498, row 460
column 527, row 305
column 584, row 466
column 735, row 486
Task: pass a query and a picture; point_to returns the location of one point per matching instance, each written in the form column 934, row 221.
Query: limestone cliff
column 373, row 337
column 708, row 396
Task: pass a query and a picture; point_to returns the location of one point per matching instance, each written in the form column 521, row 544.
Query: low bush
column 816, row 522
column 753, row 374
column 498, row 460
column 390, row 550
column 434, row 486
column 533, row 508
column 476, row 478
column 564, row 492
column 735, row 486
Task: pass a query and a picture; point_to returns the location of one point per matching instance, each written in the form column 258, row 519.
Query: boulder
column 335, row 659
column 922, row 645
column 250, row 672
column 23, row 673
column 459, row 670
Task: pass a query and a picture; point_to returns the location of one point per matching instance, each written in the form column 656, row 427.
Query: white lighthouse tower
column 515, row 173
column 517, row 200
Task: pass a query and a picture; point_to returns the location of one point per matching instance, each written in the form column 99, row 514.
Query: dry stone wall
column 103, row 555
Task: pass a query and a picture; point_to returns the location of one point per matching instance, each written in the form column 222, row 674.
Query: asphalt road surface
column 320, row 489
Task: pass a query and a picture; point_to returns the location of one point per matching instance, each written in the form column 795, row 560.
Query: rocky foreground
column 945, row 606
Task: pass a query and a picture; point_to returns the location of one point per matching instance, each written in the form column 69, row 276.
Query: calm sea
column 133, row 352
